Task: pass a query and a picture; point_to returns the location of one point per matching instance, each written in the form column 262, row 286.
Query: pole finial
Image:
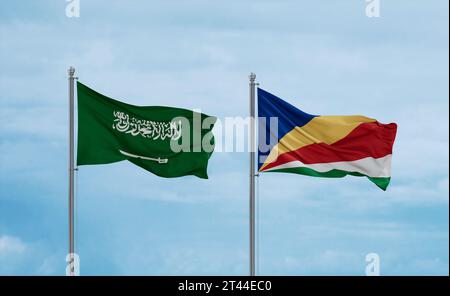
column 71, row 71
column 252, row 77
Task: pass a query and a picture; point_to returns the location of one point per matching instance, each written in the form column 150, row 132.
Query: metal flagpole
column 252, row 78
column 71, row 72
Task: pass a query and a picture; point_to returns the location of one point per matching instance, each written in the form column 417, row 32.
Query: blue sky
column 326, row 57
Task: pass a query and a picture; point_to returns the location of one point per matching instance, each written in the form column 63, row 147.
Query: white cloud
column 18, row 257
column 184, row 258
column 41, row 123
column 11, row 245
column 13, row 254
column 50, row 265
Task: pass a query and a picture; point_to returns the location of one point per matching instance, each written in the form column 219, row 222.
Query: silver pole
column 71, row 72
column 252, row 78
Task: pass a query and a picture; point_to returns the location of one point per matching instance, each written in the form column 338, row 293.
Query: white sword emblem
column 159, row 160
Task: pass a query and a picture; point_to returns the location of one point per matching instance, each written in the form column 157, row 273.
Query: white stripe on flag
column 369, row 166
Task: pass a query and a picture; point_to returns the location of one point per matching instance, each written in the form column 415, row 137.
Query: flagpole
column 71, row 73
column 252, row 216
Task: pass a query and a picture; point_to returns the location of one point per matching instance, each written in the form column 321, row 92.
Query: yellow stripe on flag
column 326, row 129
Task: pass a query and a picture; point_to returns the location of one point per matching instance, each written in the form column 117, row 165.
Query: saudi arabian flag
column 169, row 142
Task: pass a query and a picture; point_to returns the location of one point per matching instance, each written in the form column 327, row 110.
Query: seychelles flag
column 322, row 146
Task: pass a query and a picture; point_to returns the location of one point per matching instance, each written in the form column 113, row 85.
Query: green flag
column 169, row 142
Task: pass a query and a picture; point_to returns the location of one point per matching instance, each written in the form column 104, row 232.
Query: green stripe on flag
column 380, row 182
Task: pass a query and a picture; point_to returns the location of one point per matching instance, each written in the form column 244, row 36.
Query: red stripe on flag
column 371, row 139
